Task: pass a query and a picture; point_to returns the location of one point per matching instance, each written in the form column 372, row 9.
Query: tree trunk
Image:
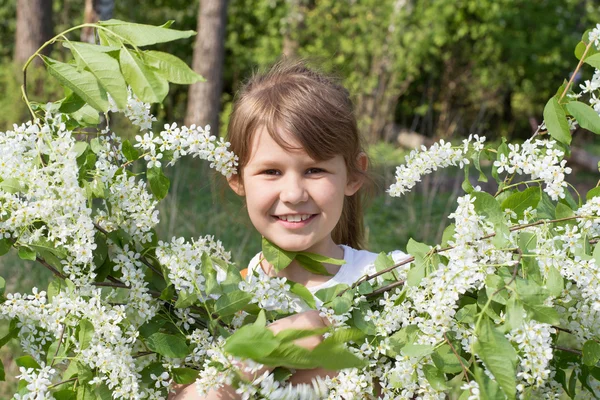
column 204, row 98
column 294, row 20
column 94, row 11
column 34, row 28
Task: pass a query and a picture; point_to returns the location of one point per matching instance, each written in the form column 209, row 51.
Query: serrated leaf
column 82, row 83
column 335, row 356
column 130, row 152
column 302, row 292
column 498, row 355
column 5, row 246
column 171, row 68
column 251, row 341
column 145, row 83
column 158, row 182
column 2, row 374
column 417, row 350
column 435, row 377
column 554, row 282
column 232, row 302
column 27, row 362
column 327, row 294
column 556, row 121
column 184, row 376
column 591, row 353
column 144, row 35
column 593, row 60
column 594, row 192
column 276, row 256
column 585, row 115
column 104, row 67
column 290, row 335
column 168, row 345
column 311, row 265
column 520, row 201
column 12, row 185
column 25, row 253
column 446, row 361
column 543, row 314
column 86, row 332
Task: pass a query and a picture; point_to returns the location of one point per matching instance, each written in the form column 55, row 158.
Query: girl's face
column 293, row 200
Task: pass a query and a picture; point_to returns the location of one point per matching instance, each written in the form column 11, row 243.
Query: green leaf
column 86, row 116
column 159, row 183
column 171, row 68
column 210, row 275
column 290, row 335
column 83, row 83
column 168, row 345
column 25, row 253
column 302, row 292
column 290, row 355
column 276, row 256
column 446, row 361
column 417, row 350
column 595, row 192
column 585, row 116
column 251, row 341
column 311, row 265
column 103, row 67
column 554, row 283
column 232, row 302
column 435, row 377
column 27, row 362
column 419, row 251
column 488, row 388
column 335, row 356
column 327, row 294
column 184, row 376
column 145, row 83
column 591, row 353
column 485, row 204
column 12, row 185
column 556, row 121
column 544, row 314
column 144, row 35
column 593, row 60
column 520, row 201
column 498, row 355
column 2, row 374
column 514, row 313
column 5, row 246
column 2, row 286
column 86, row 332
column 184, row 299
column 322, row 259
column 130, row 152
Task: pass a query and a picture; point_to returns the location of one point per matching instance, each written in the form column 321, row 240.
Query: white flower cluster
column 542, row 160
column 132, row 208
column 439, row 155
column 193, row 140
column 38, row 382
column 183, row 260
column 141, row 306
column 136, row 111
column 38, row 170
column 272, row 293
column 110, row 349
column 534, row 343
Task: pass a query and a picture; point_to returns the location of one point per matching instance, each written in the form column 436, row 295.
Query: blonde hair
column 318, row 113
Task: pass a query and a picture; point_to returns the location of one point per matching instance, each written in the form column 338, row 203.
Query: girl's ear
column 235, row 183
column 356, row 182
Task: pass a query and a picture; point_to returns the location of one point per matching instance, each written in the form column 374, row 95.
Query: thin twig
column 385, row 288
column 62, row 383
column 62, row 334
column 51, row 268
column 465, row 369
column 579, row 353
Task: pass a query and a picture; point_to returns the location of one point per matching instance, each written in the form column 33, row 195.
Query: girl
column 301, row 169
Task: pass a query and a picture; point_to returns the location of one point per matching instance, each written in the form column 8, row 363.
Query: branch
column 579, row 353
column 50, row 267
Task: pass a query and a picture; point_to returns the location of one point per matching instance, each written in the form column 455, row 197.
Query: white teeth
column 294, row 217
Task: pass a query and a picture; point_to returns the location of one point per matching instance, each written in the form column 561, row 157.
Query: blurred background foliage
column 422, row 69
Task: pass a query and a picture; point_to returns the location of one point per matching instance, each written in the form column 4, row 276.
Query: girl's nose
column 293, row 190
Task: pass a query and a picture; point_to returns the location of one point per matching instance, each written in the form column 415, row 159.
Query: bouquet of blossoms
column 507, row 306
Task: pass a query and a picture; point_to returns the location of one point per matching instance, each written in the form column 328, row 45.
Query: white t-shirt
column 358, row 263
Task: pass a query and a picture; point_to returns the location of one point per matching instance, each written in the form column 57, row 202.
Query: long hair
column 317, row 111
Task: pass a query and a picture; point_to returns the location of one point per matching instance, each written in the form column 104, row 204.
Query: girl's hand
column 304, row 320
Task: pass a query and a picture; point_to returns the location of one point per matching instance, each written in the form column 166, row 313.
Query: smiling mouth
column 294, row 217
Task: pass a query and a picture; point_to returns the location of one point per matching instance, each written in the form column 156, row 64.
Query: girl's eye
column 271, row 172
column 314, row 171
